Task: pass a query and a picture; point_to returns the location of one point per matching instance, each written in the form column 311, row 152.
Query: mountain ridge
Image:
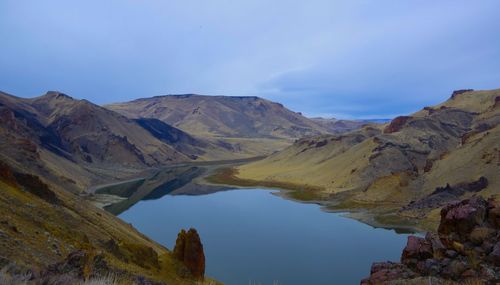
column 397, row 163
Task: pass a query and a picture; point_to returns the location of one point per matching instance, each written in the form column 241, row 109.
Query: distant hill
column 412, row 165
column 337, row 126
column 223, row 116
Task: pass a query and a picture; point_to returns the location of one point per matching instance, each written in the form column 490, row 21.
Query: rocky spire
column 189, row 250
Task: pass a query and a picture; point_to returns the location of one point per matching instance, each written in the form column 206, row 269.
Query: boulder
column 416, row 248
column 459, row 219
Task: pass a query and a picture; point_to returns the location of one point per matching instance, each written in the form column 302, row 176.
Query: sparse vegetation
column 300, row 192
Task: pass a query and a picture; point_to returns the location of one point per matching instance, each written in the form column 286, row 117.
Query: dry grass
column 228, row 176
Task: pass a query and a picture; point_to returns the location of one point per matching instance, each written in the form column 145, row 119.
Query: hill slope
column 55, row 235
column 399, row 165
column 222, row 116
column 76, row 142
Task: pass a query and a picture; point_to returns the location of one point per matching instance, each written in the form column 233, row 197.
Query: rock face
column 396, row 124
column 189, row 250
column 467, row 246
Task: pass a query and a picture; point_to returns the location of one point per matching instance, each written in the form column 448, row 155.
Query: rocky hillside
column 51, row 236
column 223, row 116
column 408, row 167
column 465, row 249
column 78, row 143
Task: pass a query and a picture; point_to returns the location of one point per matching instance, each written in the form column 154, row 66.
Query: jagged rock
column 416, row 248
column 189, row 249
column 459, row 219
column 467, row 246
column 438, row 248
column 382, row 272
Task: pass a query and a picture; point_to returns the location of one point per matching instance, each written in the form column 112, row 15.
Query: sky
column 345, row 59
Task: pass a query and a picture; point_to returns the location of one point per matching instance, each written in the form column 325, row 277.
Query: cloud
column 352, row 58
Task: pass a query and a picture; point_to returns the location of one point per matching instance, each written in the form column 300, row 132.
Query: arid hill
column 407, row 168
column 222, row 116
column 78, row 143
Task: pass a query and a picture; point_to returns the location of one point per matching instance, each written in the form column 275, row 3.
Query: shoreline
column 221, row 174
column 294, row 193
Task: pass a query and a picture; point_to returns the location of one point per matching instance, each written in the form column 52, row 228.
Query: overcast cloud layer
column 351, row 59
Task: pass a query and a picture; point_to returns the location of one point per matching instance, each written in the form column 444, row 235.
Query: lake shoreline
column 368, row 214
column 217, row 174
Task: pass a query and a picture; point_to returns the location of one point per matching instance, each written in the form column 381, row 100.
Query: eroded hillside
column 410, row 166
column 75, row 143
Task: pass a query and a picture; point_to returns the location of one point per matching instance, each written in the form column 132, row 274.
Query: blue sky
column 348, row 59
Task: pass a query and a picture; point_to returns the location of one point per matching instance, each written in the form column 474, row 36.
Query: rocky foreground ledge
column 465, row 249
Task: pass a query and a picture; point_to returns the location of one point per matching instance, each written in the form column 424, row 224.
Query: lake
column 253, row 237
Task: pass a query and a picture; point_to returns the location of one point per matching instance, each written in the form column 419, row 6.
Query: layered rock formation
column 467, row 246
column 189, row 250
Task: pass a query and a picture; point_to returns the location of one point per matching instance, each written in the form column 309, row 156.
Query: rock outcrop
column 467, row 246
column 396, row 124
column 189, row 250
column 458, row 92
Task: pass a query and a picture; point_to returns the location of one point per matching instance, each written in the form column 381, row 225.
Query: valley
column 393, row 177
column 249, row 142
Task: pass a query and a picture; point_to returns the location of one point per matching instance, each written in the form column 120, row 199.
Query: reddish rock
column 459, row 219
column 381, row 272
column 416, row 248
column 396, row 124
column 189, row 250
column 467, row 246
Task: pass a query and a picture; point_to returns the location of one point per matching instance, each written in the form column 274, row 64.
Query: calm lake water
column 254, row 236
